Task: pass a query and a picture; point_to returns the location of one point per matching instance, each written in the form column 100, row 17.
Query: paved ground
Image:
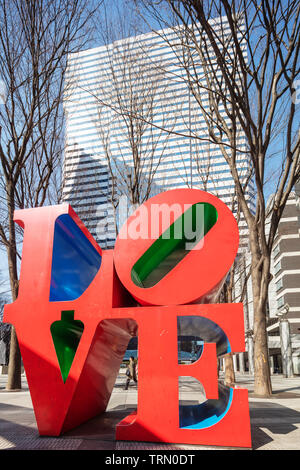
column 275, row 422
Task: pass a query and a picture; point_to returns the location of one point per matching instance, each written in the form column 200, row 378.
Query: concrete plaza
column 275, row 421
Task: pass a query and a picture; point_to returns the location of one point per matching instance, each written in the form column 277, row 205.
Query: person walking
column 130, row 372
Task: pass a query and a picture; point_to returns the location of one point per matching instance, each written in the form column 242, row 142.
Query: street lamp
column 282, row 312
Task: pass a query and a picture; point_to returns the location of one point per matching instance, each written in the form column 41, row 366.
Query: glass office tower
column 141, row 75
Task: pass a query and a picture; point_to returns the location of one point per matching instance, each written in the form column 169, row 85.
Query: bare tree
column 248, row 54
column 200, row 171
column 36, row 37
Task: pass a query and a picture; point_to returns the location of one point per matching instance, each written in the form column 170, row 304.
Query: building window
column 279, row 284
column 280, row 302
column 276, row 250
column 277, row 267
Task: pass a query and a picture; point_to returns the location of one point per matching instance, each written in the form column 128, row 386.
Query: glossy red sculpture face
column 78, row 307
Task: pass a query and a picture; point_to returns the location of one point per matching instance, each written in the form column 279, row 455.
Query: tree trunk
column 262, row 377
column 229, row 370
column 14, row 365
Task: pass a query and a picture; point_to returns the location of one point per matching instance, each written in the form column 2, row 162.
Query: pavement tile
column 13, row 441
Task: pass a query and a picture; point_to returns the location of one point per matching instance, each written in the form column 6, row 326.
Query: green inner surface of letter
column 174, row 244
column 66, row 334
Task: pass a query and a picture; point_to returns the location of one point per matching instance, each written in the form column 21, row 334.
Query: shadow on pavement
column 102, row 426
column 276, row 418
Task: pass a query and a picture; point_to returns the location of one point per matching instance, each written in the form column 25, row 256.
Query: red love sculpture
column 78, row 306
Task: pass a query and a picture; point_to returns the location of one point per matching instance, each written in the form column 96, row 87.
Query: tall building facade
column 104, row 147
column 284, row 289
column 283, row 310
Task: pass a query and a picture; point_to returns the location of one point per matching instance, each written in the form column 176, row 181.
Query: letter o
column 163, row 271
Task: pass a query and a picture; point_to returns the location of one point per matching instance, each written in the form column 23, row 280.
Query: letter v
column 63, row 401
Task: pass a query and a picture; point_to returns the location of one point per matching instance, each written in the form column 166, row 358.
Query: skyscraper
column 131, row 116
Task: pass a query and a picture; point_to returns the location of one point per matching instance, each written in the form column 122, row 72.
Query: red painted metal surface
column 198, row 276
column 60, row 406
column 111, row 316
column 157, row 416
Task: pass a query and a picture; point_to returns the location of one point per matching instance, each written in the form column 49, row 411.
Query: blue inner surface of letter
column 75, row 261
